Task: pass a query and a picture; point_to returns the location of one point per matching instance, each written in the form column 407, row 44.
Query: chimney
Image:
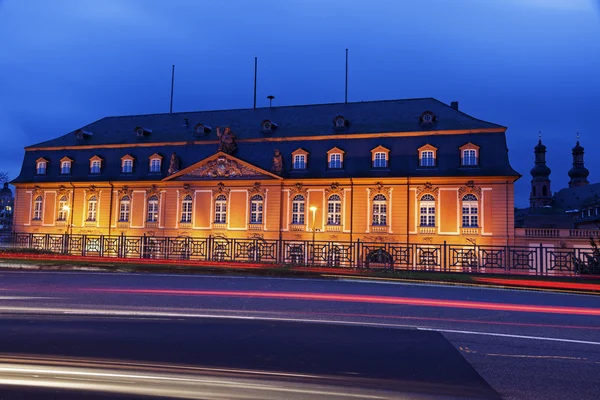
column 454, row 105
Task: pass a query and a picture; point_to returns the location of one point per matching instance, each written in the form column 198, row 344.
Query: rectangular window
column 380, row 160
column 469, row 157
column 65, row 167
column 186, row 209
column 95, row 167
column 127, row 166
column 335, row 161
column 427, row 158
column 91, row 216
column 124, row 211
column 299, row 161
column 155, row 165
column 220, row 211
column 334, row 213
column 298, row 212
column 256, row 212
column 470, row 216
column 37, row 208
column 427, row 215
column 41, row 168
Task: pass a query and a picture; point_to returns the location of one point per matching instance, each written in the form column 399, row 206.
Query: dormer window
column 335, row 158
column 81, row 134
column 141, row 131
column 268, row 126
column 427, row 118
column 65, row 166
column 340, row 122
column 299, row 159
column 126, row 164
column 427, row 156
column 201, row 130
column 95, row 165
column 379, row 157
column 40, row 166
column 155, row 163
column 469, row 155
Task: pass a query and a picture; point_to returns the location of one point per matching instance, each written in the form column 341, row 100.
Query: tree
column 588, row 263
column 3, row 176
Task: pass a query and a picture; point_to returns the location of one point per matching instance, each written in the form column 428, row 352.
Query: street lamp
column 314, row 210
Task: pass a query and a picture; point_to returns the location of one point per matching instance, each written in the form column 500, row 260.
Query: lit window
column 469, row 157
column 155, row 165
column 37, row 208
column 427, row 210
column 65, row 167
column 334, row 210
column 186, row 209
column 256, row 209
column 298, row 210
column 379, row 210
column 220, row 209
column 127, row 166
column 62, row 208
column 124, row 209
column 380, row 160
column 335, row 161
column 92, row 208
column 41, row 168
column 299, row 161
column 427, row 158
column 470, row 211
column 153, row 208
column 95, row 167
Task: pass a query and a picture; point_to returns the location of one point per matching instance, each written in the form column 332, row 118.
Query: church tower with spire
column 579, row 172
column 540, row 195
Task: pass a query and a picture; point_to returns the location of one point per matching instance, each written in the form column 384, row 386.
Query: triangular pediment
column 221, row 166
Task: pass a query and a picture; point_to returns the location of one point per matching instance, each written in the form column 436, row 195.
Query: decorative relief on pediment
column 379, row 189
column 335, row 188
column 223, row 167
column 428, row 188
column 469, row 188
column 220, row 189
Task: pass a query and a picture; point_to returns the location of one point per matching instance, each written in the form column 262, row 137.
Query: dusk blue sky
column 527, row 64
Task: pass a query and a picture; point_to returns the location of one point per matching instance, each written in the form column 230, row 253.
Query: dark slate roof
column 364, row 117
column 577, row 197
column 367, row 117
column 543, row 217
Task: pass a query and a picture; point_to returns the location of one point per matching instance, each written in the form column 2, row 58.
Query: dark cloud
column 528, row 64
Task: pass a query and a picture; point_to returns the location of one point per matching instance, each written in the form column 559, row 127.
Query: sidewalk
column 54, row 262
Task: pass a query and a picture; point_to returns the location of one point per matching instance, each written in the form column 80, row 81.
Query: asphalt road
column 378, row 338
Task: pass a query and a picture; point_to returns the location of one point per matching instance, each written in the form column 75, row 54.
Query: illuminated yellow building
column 408, row 171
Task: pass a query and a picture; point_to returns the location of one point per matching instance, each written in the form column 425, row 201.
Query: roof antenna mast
column 255, row 70
column 172, row 84
column 346, row 94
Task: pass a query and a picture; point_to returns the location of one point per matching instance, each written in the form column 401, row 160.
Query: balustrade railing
column 533, row 260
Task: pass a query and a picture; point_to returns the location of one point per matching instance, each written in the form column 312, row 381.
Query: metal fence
column 444, row 257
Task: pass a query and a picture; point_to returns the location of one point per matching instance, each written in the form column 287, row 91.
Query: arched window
column 92, row 208
column 379, row 210
column 153, row 208
column 221, row 209
column 298, row 209
column 256, row 209
column 62, row 208
column 124, row 209
column 470, row 211
column 427, row 210
column 544, row 191
column 334, row 210
column 37, row 208
column 186, row 208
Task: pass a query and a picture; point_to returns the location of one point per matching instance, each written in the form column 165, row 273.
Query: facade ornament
column 63, row 191
column 174, row 164
column 92, row 190
column 187, row 189
column 469, row 188
column 125, row 191
column 379, row 189
column 277, row 167
column 256, row 189
column 226, row 140
column 298, row 188
column 223, row 167
column 153, row 191
column 37, row 191
column 220, row 189
column 334, row 189
column 428, row 188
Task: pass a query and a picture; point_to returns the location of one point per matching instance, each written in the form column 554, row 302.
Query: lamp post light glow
column 314, row 210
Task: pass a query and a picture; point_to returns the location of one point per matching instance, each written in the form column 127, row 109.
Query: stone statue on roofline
column 174, row 164
column 277, row 167
column 226, row 140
